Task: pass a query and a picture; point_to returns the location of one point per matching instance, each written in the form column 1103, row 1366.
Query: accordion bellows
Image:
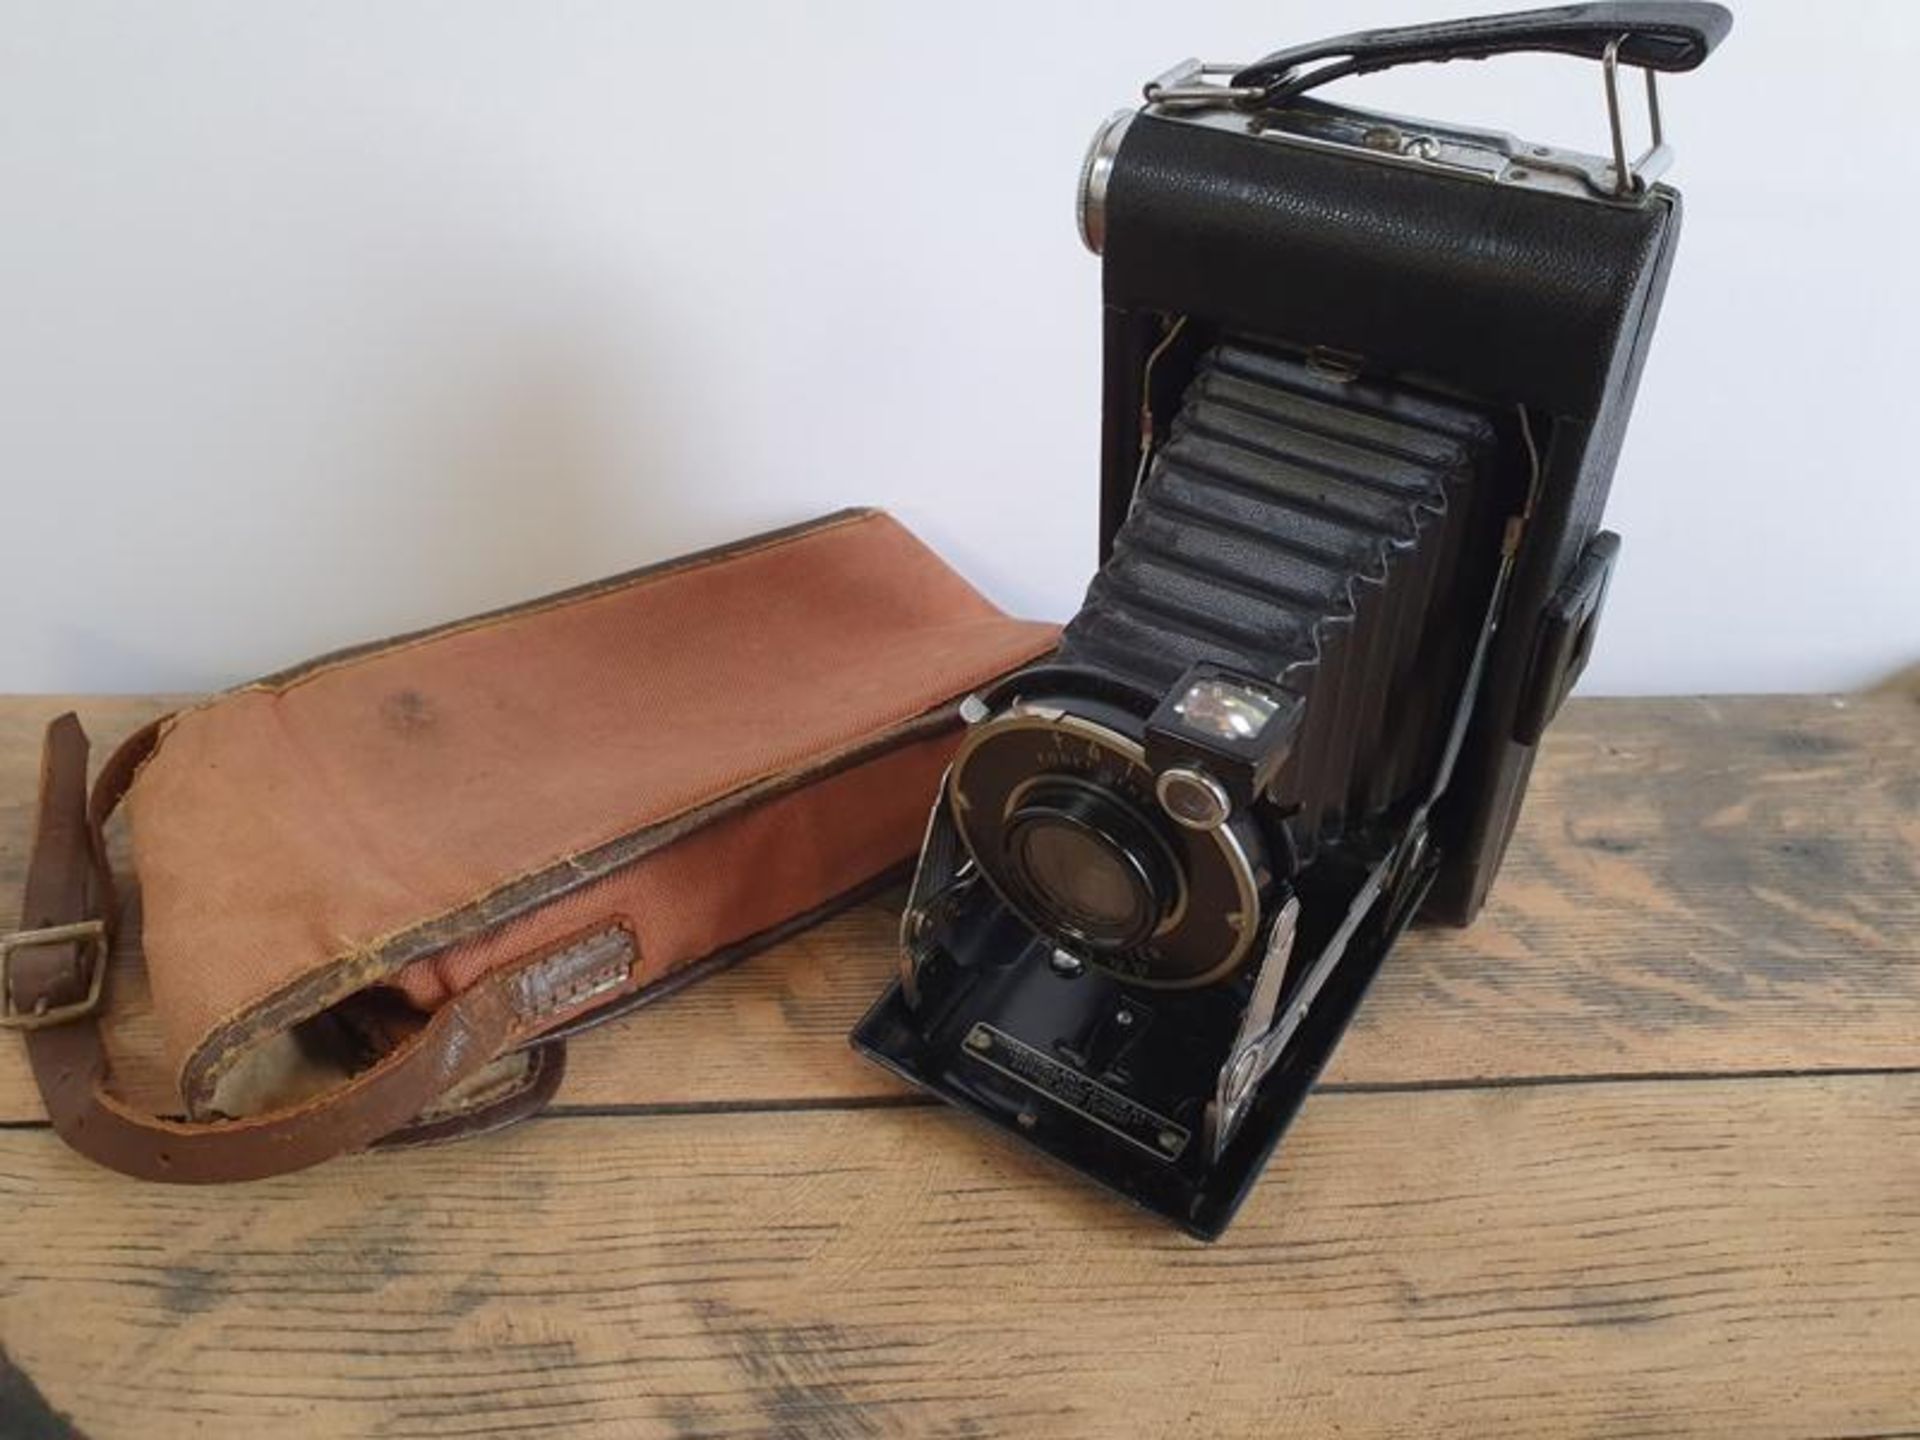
column 1301, row 528
column 603, row 787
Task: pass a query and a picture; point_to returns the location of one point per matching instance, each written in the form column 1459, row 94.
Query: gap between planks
column 914, row 1100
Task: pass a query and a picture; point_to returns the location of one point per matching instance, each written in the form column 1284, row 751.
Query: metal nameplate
column 1085, row 1096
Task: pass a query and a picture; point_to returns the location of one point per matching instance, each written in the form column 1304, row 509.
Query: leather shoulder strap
column 51, row 992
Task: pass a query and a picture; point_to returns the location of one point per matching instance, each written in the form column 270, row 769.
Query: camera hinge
column 944, row 876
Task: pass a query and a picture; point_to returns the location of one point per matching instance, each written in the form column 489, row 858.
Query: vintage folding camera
column 1366, row 379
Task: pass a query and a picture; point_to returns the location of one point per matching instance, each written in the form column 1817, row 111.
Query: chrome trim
column 1245, row 921
column 1631, row 178
column 1090, row 200
column 1221, row 806
column 1187, row 85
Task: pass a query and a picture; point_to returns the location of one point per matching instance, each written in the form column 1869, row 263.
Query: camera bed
column 1106, row 1125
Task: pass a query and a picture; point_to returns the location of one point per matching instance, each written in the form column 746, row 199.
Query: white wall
column 319, row 322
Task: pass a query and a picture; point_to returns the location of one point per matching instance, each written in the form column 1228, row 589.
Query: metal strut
column 1261, row 1040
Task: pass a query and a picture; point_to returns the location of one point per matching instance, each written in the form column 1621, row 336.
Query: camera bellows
column 1300, row 528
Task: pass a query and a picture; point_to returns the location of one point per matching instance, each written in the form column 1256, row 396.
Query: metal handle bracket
column 1634, row 178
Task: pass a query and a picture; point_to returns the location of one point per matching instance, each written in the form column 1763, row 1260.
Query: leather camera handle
column 69, row 884
column 1674, row 36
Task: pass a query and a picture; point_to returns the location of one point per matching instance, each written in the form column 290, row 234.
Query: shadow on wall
column 390, row 390
column 538, row 437
column 520, row 490
column 506, row 477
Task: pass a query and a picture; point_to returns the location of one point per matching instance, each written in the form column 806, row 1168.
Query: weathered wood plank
column 1697, row 885
column 1737, row 1258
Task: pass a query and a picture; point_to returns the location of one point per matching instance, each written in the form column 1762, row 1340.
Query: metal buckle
column 1633, row 178
column 45, row 1015
column 1187, row 87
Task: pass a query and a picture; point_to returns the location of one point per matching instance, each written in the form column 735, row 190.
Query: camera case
column 1366, row 379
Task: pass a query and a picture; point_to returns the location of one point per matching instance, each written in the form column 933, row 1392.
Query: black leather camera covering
column 1506, row 295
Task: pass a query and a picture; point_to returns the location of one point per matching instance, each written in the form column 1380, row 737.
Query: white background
column 319, row 322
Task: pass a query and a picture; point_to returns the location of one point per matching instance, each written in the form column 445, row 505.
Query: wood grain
column 1697, row 886
column 1733, row 1258
column 1577, row 1171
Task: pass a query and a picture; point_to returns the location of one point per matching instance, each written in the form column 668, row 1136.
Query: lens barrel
column 1057, row 809
column 1090, row 865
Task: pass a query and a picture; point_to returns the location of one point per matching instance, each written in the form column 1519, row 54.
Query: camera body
column 1365, row 382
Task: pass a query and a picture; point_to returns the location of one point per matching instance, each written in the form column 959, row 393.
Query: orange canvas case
column 376, row 889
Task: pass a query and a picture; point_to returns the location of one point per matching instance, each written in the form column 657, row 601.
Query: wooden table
column 1637, row 1155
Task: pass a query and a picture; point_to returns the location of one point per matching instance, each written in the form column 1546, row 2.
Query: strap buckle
column 43, row 1014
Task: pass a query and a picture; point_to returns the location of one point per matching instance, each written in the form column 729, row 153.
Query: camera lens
column 1089, row 865
column 1058, row 811
column 1081, row 875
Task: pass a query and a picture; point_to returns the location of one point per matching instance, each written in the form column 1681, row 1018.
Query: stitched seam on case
column 496, row 1094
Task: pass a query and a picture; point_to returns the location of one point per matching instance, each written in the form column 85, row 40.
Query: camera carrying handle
column 1652, row 36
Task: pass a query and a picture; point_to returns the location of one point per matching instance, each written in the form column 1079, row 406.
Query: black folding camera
column 1366, row 378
